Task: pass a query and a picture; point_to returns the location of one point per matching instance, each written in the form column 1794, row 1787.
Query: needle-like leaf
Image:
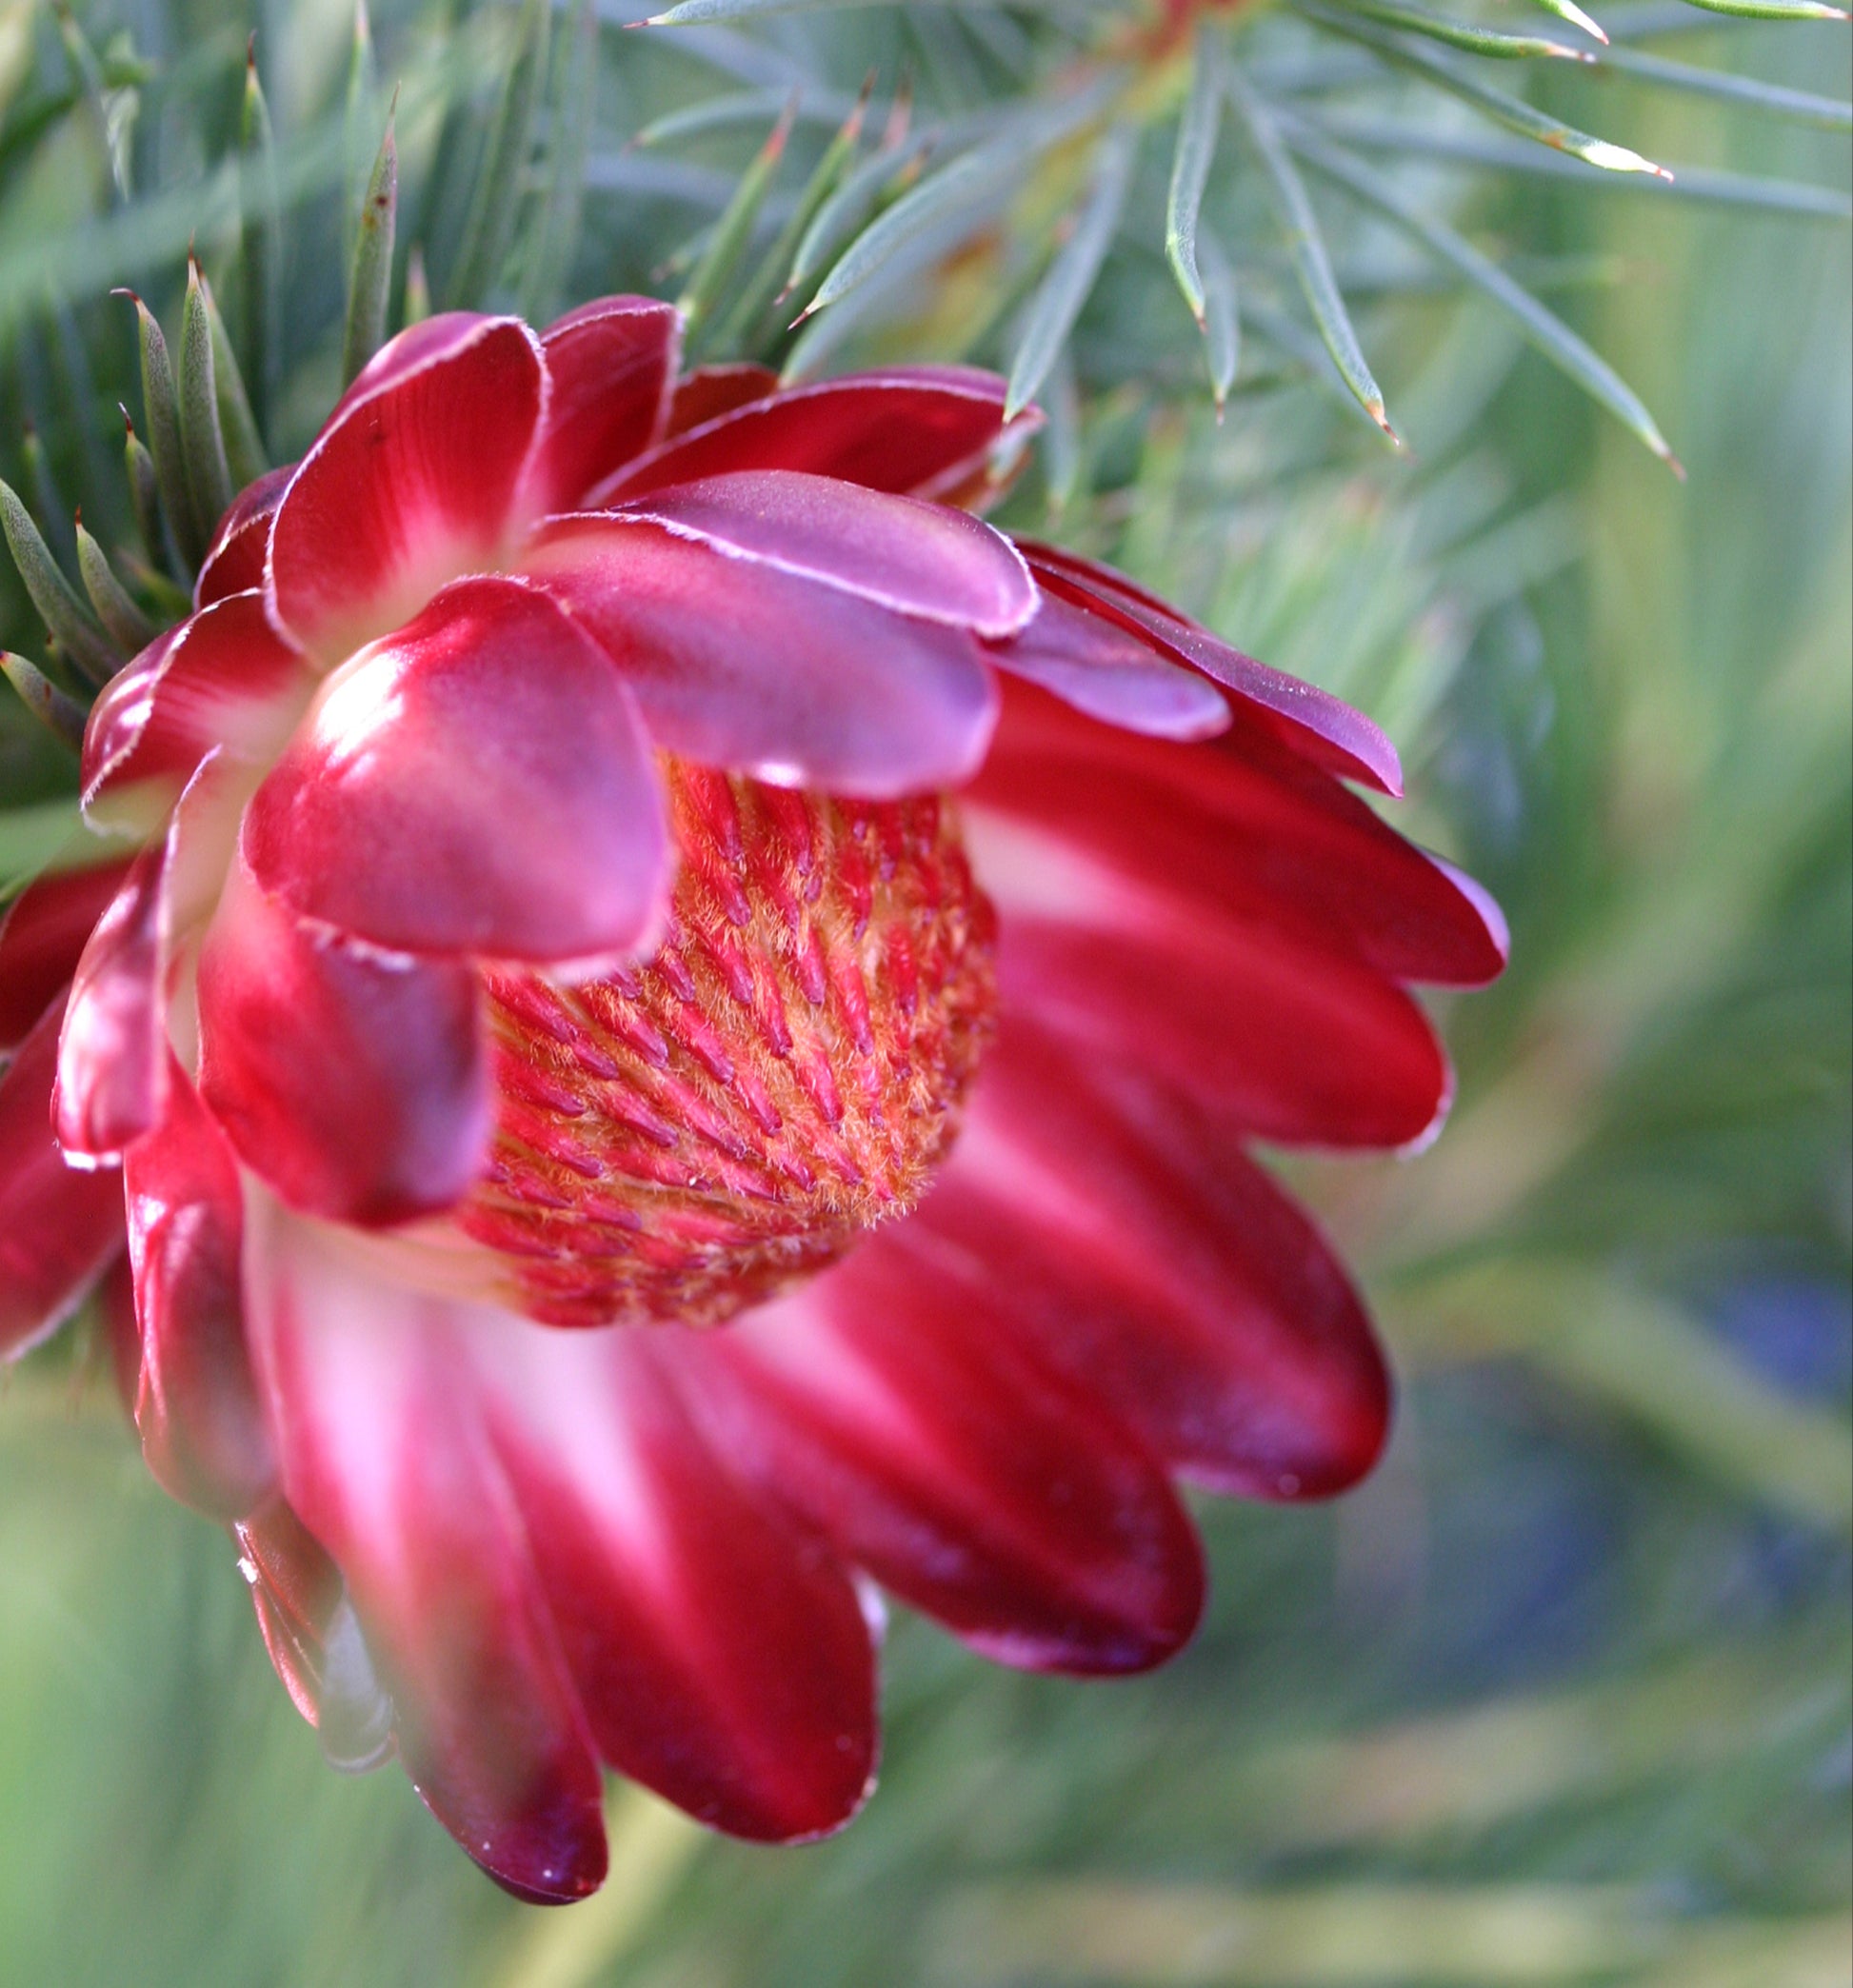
column 1307, row 246
column 732, row 232
column 1190, row 164
column 1772, row 10
column 562, row 191
column 202, row 434
column 359, row 120
column 1804, row 107
column 64, row 715
column 65, row 614
column 1568, row 10
column 1221, row 321
column 144, row 491
column 1070, row 276
column 116, row 607
column 852, row 204
column 1466, row 35
column 260, row 230
column 1790, row 197
column 243, row 445
column 1544, row 328
column 161, row 408
column 498, row 179
column 749, row 318
column 369, row 274
column 958, row 195
column 1513, row 112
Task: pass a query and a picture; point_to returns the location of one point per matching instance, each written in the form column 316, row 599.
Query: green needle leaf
column 69, row 620
column 1311, row 261
column 1478, row 148
column 962, row 191
column 735, row 229
column 1463, row 35
column 161, row 408
column 570, row 127
column 43, row 698
column 851, row 205
column 130, row 629
column 243, row 445
column 500, row 179
column 359, row 120
column 1190, row 164
column 144, row 491
column 1221, row 322
column 259, row 239
column 1772, row 10
column 1568, row 10
column 202, row 437
column 369, row 277
column 1064, row 289
column 1547, row 331
column 1830, row 113
column 43, row 485
column 1515, row 114
column 749, row 317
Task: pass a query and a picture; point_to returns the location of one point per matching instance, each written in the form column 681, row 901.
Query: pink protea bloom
column 620, row 1163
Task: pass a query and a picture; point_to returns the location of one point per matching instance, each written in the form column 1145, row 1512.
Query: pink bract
column 679, row 1048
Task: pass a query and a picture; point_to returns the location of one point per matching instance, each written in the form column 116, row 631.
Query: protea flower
column 679, row 1046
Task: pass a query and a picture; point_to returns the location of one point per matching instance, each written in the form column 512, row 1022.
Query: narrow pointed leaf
column 1790, row 197
column 499, row 180
column 202, row 435
column 1190, row 164
column 359, row 120
column 557, row 225
column 1070, row 277
column 1772, row 10
column 127, row 626
column 744, row 108
column 1547, row 331
column 243, row 445
column 1466, row 35
column 370, row 276
column 46, row 494
column 1568, row 10
column 1511, row 111
column 1307, row 246
column 732, row 232
column 1804, row 107
column 144, row 492
column 961, row 191
column 852, row 204
column 65, row 616
column 160, row 409
column 747, row 317
column 260, row 233
column 171, row 601
column 1221, row 321
column 41, row 696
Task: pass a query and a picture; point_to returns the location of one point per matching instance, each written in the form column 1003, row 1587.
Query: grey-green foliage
column 1575, row 1660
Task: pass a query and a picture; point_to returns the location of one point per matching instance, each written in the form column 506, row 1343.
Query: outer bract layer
column 622, row 854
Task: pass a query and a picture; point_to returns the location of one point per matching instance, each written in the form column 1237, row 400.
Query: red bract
column 621, row 856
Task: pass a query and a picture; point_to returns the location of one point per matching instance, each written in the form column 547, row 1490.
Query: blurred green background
column 1563, row 1694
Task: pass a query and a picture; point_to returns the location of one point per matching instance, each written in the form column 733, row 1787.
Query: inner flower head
column 677, row 1140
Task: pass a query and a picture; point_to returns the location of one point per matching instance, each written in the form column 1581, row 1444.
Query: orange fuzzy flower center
column 685, row 1137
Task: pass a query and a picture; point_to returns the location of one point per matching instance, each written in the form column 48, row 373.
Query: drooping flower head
column 679, row 1046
